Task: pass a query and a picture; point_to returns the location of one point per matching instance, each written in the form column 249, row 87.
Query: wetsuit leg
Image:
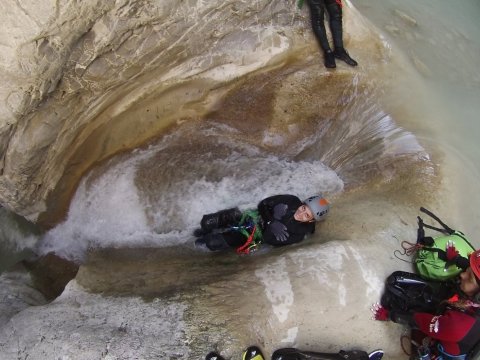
column 317, row 15
column 222, row 241
column 214, row 242
column 334, row 10
column 221, row 219
column 335, row 21
column 234, row 238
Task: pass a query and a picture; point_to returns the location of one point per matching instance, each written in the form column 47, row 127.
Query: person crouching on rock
column 278, row 220
column 454, row 330
column 317, row 14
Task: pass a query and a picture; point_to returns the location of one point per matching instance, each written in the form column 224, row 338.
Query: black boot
column 209, row 222
column 329, row 59
column 342, row 54
column 200, row 242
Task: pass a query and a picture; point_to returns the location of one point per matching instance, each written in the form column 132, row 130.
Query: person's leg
column 222, row 241
column 334, row 10
column 234, row 238
column 317, row 15
column 213, row 241
column 219, row 220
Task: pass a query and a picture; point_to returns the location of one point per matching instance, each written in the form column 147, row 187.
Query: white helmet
column 319, row 206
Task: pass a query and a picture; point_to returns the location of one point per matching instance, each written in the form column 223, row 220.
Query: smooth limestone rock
column 17, row 293
column 85, row 80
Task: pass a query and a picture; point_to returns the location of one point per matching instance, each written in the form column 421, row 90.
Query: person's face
column 468, row 283
column 303, row 214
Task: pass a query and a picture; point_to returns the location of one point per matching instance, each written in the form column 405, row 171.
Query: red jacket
column 456, row 331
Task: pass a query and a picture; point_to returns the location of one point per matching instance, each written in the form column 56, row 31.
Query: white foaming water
column 265, row 177
column 107, row 213
column 111, row 211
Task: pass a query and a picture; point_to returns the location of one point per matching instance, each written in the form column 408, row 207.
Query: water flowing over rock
column 85, row 80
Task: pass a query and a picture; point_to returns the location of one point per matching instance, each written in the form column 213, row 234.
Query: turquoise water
column 444, row 44
column 447, row 40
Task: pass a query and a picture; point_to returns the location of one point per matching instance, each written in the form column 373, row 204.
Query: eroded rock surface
column 85, row 80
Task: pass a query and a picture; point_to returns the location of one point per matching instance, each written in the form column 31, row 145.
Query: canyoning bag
column 430, row 258
column 296, row 354
column 406, row 292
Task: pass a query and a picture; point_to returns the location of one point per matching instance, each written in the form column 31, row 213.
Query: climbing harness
column 249, row 226
column 248, row 246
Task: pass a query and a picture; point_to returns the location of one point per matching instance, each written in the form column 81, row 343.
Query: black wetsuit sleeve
column 296, row 230
column 293, row 238
column 265, row 207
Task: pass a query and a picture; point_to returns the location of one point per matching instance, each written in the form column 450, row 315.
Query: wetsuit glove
column 279, row 211
column 380, row 313
column 279, row 230
column 452, row 253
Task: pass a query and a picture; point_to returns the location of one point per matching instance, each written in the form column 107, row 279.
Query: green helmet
column 319, row 206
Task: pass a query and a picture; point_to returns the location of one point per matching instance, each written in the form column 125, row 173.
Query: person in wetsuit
column 317, row 14
column 278, row 220
column 455, row 329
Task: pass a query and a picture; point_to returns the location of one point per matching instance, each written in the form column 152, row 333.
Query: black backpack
column 406, row 291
